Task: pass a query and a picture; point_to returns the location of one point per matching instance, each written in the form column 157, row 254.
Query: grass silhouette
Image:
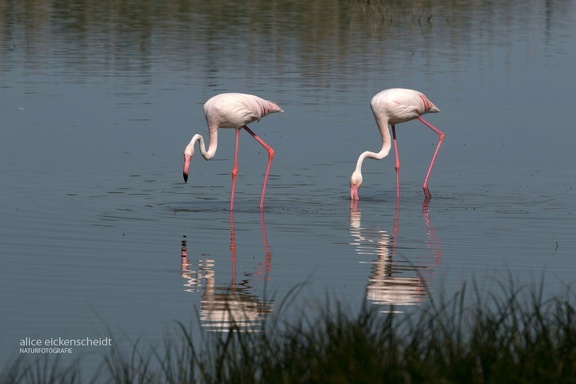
column 511, row 336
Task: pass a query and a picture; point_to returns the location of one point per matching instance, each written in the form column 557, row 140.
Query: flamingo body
column 391, row 107
column 399, row 105
column 235, row 110
column 231, row 110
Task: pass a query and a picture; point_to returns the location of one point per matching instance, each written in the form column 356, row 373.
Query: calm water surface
column 100, row 237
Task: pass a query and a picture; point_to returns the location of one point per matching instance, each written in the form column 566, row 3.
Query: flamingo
column 232, row 110
column 394, row 106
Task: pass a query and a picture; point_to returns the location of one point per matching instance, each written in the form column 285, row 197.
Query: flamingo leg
column 397, row 166
column 440, row 140
column 270, row 158
column 234, row 172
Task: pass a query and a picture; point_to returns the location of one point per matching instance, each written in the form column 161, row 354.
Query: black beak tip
column 185, row 177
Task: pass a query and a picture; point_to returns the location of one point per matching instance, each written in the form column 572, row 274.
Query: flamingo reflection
column 232, row 306
column 394, row 282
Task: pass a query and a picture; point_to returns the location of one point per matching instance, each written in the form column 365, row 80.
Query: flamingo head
column 355, row 183
column 188, row 153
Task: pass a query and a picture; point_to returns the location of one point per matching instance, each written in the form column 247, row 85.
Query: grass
column 514, row 336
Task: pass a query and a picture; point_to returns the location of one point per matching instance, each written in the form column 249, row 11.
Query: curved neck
column 212, row 146
column 386, row 143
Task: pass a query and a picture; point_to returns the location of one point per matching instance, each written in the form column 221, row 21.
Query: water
column 100, row 237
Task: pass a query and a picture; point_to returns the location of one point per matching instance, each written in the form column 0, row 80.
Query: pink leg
column 270, row 157
column 397, row 166
column 440, row 140
column 234, row 172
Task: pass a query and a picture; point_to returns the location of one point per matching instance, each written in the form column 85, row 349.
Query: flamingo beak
column 187, row 160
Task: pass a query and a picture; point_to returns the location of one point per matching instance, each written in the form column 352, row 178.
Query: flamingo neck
column 212, row 146
column 386, row 144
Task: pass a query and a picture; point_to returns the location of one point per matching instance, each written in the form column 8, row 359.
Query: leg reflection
column 394, row 282
column 228, row 307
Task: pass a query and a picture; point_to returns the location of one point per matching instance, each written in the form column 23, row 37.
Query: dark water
column 100, row 237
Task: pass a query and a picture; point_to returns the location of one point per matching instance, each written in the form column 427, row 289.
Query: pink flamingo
column 232, row 110
column 394, row 106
